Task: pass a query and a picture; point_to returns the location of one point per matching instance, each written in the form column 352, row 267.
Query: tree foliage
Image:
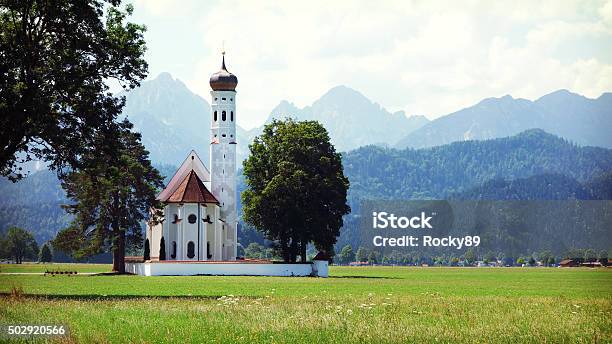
column 56, row 58
column 45, row 255
column 296, row 189
column 113, row 192
column 19, row 244
column 346, row 254
column 362, row 254
column 470, row 256
column 255, row 250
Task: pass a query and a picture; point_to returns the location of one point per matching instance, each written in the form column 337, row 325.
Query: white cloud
column 606, row 12
column 431, row 57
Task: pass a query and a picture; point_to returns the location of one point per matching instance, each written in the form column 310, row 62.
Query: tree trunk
column 303, row 246
column 294, row 251
column 118, row 246
column 285, row 249
column 119, row 252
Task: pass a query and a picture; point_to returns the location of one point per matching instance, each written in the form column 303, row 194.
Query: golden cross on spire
column 223, row 47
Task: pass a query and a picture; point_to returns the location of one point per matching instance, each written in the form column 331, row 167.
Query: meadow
column 43, row 267
column 355, row 305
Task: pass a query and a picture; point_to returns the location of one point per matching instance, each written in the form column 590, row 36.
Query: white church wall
column 320, row 268
column 172, row 238
column 202, row 233
column 227, row 269
column 190, row 231
column 166, row 229
column 210, row 232
column 155, row 233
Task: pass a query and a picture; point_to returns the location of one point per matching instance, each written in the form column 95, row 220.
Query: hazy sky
column 424, row 57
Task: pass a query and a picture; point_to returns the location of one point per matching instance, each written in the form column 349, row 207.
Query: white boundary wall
column 318, row 268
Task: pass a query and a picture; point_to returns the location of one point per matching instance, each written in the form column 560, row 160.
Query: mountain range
column 582, row 120
column 173, row 120
column 351, row 119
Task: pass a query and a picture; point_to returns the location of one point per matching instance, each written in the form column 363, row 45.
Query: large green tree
column 296, row 188
column 56, row 59
column 19, row 244
column 113, row 193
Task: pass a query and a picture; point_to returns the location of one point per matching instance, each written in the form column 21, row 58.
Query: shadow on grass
column 372, row 277
column 98, row 297
column 331, row 277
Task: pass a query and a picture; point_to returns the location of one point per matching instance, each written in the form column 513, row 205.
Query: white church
column 199, row 230
column 200, row 220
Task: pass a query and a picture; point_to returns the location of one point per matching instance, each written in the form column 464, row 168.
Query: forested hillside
column 435, row 173
column 533, row 165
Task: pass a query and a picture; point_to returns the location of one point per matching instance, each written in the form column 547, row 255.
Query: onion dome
column 223, row 80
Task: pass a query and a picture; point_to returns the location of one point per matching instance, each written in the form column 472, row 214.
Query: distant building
column 566, row 263
column 358, row 263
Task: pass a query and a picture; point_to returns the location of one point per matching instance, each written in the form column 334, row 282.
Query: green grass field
column 356, row 304
column 42, row 267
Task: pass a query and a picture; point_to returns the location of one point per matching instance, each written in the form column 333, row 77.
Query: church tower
column 223, row 156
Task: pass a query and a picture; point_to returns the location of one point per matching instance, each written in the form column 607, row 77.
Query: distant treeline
column 470, row 257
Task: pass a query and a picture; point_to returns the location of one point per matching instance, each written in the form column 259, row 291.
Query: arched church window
column 192, row 218
column 223, row 116
column 173, row 252
column 190, row 250
column 232, row 116
column 215, row 116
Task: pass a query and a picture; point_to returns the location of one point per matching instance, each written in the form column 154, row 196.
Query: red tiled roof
column 192, row 162
column 192, row 190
